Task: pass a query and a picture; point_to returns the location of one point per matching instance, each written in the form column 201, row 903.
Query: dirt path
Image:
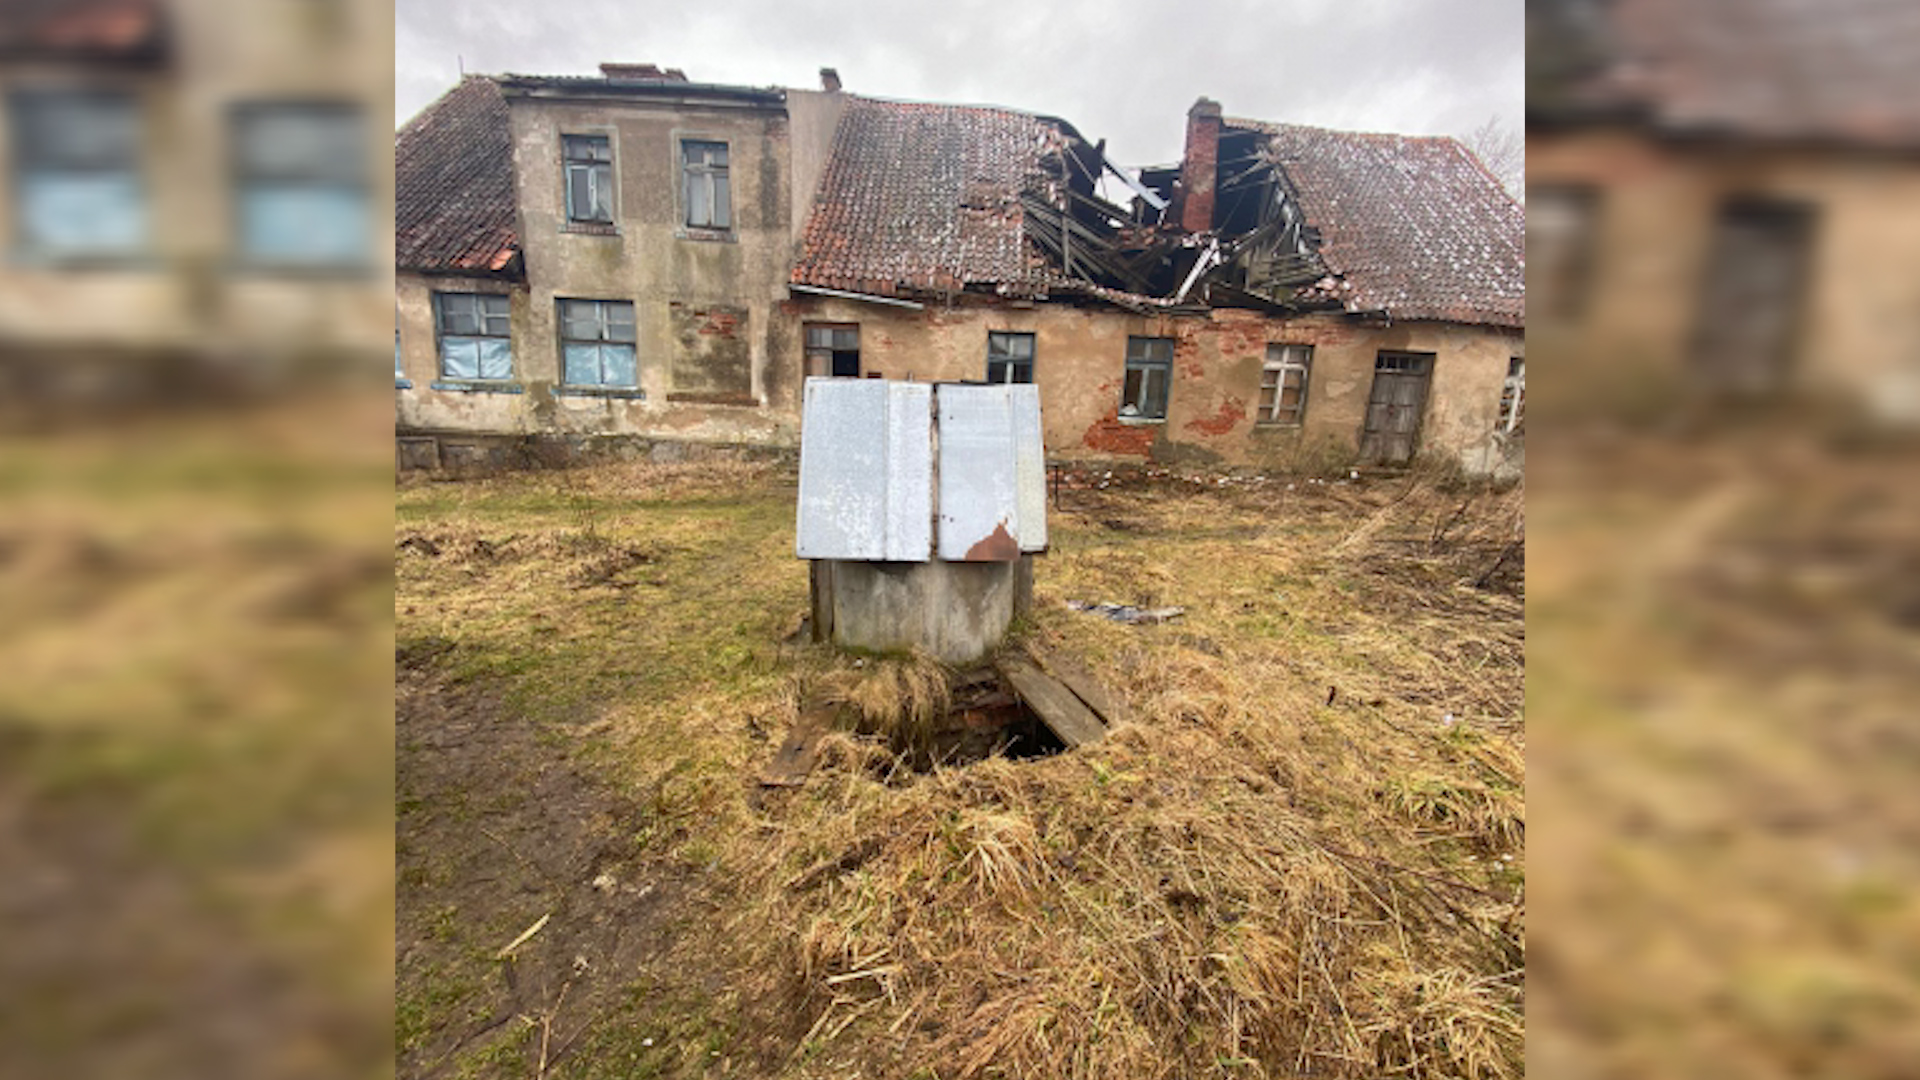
column 500, row 825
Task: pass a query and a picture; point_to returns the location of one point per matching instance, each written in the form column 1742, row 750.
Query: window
column 1283, row 384
column 1513, row 396
column 833, row 349
column 1149, row 366
column 302, row 184
column 589, row 175
column 1009, row 357
column 1560, row 250
column 597, row 343
column 709, row 202
column 77, row 167
column 475, row 335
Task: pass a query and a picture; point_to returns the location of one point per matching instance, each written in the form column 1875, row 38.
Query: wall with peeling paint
column 1653, row 230
column 1080, row 362
column 718, row 361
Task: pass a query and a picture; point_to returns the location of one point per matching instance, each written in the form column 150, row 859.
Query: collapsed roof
column 923, row 200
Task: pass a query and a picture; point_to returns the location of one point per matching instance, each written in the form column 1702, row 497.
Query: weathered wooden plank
column 794, row 760
column 1070, row 671
column 1053, row 703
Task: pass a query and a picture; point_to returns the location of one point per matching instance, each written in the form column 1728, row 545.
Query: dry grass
column 1302, row 858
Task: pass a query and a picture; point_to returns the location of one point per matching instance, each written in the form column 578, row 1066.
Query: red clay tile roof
column 920, row 198
column 110, row 30
column 1412, row 226
column 1846, row 70
column 453, row 171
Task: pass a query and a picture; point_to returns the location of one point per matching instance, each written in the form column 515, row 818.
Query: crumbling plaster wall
column 190, row 290
column 1080, row 364
column 1653, row 231
column 686, row 288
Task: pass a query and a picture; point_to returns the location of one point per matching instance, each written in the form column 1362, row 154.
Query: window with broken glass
column 475, row 335
column 303, row 185
column 1283, row 384
column 1009, row 357
column 833, row 349
column 1513, row 396
column 1149, row 367
column 77, row 191
column 597, row 344
column 708, row 199
column 589, row 175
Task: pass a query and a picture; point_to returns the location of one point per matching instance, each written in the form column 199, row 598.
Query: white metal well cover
column 993, row 480
column 866, row 471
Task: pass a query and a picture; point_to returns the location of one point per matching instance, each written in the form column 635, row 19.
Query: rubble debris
column 1127, row 613
column 1071, row 671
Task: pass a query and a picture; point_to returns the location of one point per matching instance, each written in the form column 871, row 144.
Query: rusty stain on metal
column 997, row 546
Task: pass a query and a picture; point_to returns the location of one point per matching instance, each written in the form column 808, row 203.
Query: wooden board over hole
column 1053, row 703
column 1105, row 704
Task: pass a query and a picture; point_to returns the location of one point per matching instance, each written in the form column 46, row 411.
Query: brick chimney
column 829, row 80
column 642, row 73
column 1200, row 166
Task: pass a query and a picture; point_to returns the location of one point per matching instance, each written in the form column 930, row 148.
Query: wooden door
column 1395, row 407
column 1750, row 309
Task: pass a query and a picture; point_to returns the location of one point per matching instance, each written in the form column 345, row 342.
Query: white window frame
column 486, row 322
column 1140, row 350
column 1284, row 359
column 715, row 178
column 598, row 171
column 1009, row 357
column 1513, row 396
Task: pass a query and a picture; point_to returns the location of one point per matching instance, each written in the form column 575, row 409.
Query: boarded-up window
column 77, row 191
column 1561, row 240
column 1149, row 367
column 1751, row 303
column 709, row 198
column 597, row 343
column 475, row 332
column 833, row 349
column 1009, row 357
column 1283, row 384
column 302, row 185
column 589, row 176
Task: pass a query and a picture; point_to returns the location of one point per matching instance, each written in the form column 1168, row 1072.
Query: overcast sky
column 1117, row 70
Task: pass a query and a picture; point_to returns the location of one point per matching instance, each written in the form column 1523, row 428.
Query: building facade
column 643, row 256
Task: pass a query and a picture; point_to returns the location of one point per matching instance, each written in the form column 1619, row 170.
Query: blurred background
column 195, row 527
column 1724, row 556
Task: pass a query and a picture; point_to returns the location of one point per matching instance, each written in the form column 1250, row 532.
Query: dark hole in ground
column 986, row 719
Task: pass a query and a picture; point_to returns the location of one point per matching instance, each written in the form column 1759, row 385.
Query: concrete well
column 956, row 611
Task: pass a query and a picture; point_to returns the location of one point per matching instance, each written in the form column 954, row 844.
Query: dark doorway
column 1395, row 407
column 1750, row 304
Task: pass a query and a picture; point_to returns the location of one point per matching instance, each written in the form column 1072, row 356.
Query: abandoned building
column 638, row 254
column 1725, row 200
column 191, row 179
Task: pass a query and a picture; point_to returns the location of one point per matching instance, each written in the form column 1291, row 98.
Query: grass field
column 1303, row 857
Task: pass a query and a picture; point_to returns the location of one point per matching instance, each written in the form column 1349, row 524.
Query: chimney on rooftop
column 1200, row 165
column 829, row 80
column 642, row 73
